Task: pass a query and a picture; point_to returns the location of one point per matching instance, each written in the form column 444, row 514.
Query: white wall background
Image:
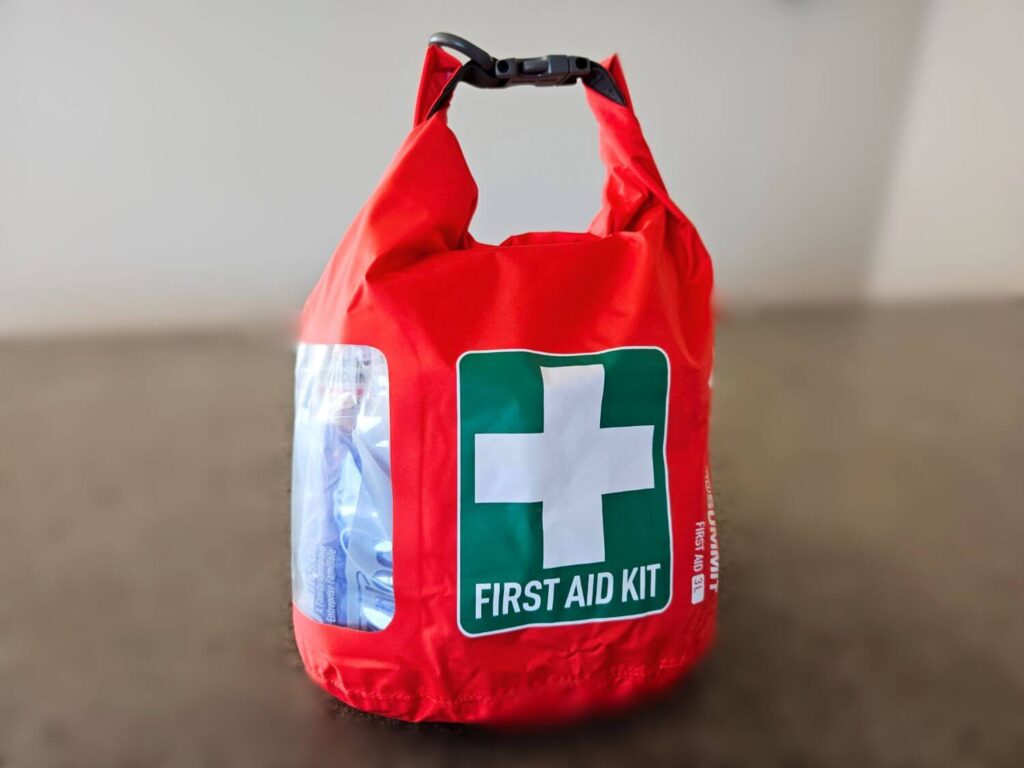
column 954, row 225
column 186, row 161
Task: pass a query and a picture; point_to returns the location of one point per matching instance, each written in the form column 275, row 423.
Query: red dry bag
column 501, row 507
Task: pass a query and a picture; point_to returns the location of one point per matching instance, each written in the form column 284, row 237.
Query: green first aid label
column 563, row 497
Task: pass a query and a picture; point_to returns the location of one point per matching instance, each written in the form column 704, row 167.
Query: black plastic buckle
column 556, row 69
column 484, row 71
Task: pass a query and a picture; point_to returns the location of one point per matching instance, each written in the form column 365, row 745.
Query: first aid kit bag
column 501, row 506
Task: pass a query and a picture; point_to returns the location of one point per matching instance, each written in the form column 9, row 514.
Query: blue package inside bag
column 342, row 571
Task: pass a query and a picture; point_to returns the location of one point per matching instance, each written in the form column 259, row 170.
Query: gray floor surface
column 870, row 474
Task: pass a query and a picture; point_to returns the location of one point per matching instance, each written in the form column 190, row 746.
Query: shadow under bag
column 501, row 503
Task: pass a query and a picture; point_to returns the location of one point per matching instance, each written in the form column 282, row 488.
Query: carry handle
column 632, row 176
column 484, row 71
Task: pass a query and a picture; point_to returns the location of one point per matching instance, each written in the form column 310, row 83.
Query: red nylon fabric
column 410, row 280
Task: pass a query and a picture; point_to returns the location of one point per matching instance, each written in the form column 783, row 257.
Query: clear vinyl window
column 341, row 487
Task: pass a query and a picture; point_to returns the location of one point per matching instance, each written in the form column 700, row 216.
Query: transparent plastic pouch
column 341, row 487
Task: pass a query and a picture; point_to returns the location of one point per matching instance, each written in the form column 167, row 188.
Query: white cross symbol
column 568, row 467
